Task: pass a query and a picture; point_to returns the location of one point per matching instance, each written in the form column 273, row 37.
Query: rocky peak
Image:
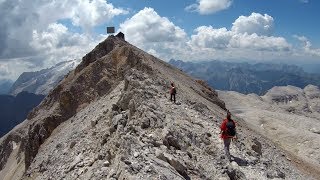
column 101, row 50
column 312, row 91
column 284, row 94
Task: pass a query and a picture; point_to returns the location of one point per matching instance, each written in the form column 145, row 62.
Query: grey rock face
column 257, row 147
column 234, row 173
column 275, row 174
column 315, row 130
column 295, row 100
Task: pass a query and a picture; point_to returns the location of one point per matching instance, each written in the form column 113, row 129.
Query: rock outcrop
column 288, row 116
column 295, row 100
column 111, row 118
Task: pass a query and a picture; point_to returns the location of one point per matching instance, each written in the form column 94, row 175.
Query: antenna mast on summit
column 110, row 30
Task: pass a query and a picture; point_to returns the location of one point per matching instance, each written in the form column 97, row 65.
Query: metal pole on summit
column 110, row 30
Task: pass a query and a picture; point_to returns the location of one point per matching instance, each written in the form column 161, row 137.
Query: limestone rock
column 275, row 174
column 315, row 130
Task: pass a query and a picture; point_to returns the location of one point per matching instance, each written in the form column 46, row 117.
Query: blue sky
column 38, row 34
column 291, row 16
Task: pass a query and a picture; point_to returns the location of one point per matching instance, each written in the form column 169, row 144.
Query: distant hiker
column 228, row 132
column 173, row 92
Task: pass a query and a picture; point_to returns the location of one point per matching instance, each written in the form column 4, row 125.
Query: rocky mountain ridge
column 110, row 118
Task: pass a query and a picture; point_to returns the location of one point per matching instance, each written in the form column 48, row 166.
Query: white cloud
column 209, row 6
column 255, row 23
column 57, row 43
column 307, row 46
column 13, row 68
column 19, row 19
column 30, row 32
column 304, row 40
column 261, row 43
column 147, row 27
column 83, row 13
column 57, row 36
column 304, row 1
column 153, row 33
column 208, row 37
column 4, row 71
column 206, row 42
column 31, row 36
column 209, row 43
column 247, row 32
column 91, row 13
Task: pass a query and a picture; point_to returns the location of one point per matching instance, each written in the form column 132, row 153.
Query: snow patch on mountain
column 41, row 82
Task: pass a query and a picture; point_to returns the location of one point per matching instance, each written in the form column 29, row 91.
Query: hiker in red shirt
column 228, row 132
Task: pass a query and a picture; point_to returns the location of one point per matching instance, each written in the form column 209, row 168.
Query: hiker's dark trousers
column 227, row 147
column 174, row 97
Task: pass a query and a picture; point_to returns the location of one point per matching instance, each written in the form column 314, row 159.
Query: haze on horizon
column 38, row 34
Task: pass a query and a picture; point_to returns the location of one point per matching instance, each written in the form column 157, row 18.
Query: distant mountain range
column 27, row 92
column 14, row 109
column 311, row 68
column 41, row 82
column 247, row 78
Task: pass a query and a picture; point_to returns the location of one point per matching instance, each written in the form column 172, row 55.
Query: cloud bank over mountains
column 35, row 35
column 247, row 38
